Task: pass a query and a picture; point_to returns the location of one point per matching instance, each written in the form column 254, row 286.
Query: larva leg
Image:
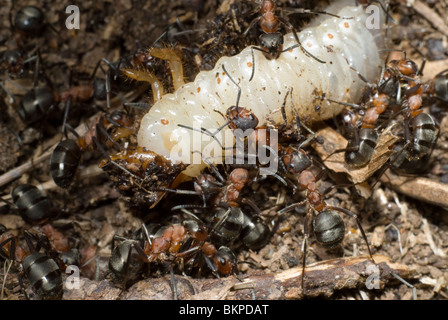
column 140, row 75
column 175, row 64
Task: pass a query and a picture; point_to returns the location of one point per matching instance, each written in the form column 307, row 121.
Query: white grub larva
column 341, row 43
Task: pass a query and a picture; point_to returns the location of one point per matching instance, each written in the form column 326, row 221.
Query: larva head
column 241, row 118
column 272, row 43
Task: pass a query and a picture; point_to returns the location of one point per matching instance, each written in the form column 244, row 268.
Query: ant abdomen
column 124, row 262
column 358, row 155
column 35, row 104
column 64, row 162
column 329, row 228
column 30, row 20
column 256, row 233
column 34, row 206
column 424, row 129
column 230, row 227
column 44, row 275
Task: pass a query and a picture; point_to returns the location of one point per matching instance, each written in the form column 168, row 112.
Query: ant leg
column 414, row 289
column 306, row 234
column 290, row 207
column 208, row 133
column 187, row 206
column 390, row 164
column 64, row 121
column 236, row 84
column 307, row 11
column 290, row 28
column 139, row 75
column 354, row 216
column 100, row 129
column 12, row 250
column 266, row 53
column 28, row 239
column 211, row 266
column 173, row 282
column 251, row 25
column 22, row 286
column 175, row 63
column 215, row 170
column 138, row 105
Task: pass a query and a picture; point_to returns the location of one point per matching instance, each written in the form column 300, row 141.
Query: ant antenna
column 236, row 84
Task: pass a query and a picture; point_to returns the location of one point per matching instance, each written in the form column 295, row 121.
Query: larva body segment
column 339, row 42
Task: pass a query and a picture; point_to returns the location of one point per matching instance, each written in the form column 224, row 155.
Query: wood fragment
column 321, row 279
column 335, row 161
column 419, row 188
column 433, row 18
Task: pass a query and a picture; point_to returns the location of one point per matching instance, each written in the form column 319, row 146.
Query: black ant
column 420, row 136
column 60, row 244
column 363, row 130
column 172, row 244
column 107, row 130
column 322, row 220
column 39, row 268
column 271, row 41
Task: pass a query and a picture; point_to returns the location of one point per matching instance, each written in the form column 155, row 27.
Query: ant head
column 273, row 43
column 225, row 261
column 29, row 20
column 297, row 161
column 241, row 118
column 12, row 60
column 207, row 185
column 407, row 67
column 239, row 177
column 71, row 257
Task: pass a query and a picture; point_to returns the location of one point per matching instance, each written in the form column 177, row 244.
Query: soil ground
column 408, row 230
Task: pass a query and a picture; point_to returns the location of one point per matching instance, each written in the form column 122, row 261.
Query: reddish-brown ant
column 60, row 244
column 271, row 41
column 186, row 243
column 321, row 219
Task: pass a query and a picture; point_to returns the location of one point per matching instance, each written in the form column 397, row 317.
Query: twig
column 321, row 279
column 433, row 18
